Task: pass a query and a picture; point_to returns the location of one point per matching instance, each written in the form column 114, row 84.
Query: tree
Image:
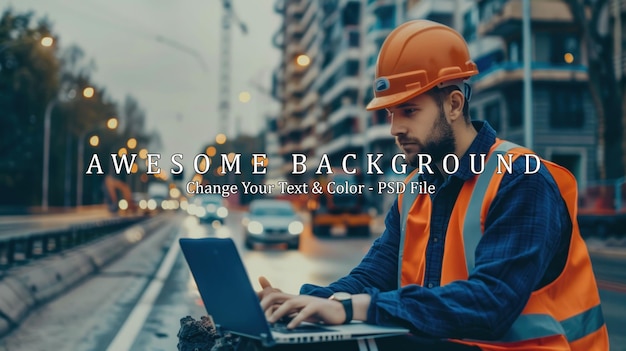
column 31, row 76
column 28, row 80
column 607, row 92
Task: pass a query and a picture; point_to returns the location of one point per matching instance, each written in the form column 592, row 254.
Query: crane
column 225, row 58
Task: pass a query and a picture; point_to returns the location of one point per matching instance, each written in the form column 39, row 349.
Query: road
column 136, row 302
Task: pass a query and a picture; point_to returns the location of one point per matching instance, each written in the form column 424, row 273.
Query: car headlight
column 222, row 212
column 123, row 204
column 296, row 227
column 152, row 204
column 200, row 211
column 255, row 227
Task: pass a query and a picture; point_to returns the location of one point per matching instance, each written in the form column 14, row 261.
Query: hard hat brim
column 382, row 102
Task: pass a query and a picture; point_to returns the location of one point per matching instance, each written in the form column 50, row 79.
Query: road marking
column 128, row 332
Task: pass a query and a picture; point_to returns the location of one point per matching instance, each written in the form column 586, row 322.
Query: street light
column 94, row 141
column 46, row 146
column 46, row 41
column 244, row 97
column 111, row 125
column 220, row 138
column 303, row 60
column 88, row 92
column 131, row 143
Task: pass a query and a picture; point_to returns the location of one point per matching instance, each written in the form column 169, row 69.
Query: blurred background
column 274, row 77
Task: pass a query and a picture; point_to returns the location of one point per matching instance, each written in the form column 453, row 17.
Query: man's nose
column 397, row 128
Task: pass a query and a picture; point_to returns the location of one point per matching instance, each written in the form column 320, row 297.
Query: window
column 353, row 39
column 492, row 114
column 541, row 48
column 573, row 162
column 350, row 15
column 566, row 107
column 386, row 17
column 514, row 108
column 352, row 68
column 470, row 24
column 515, row 52
column 557, row 48
column 565, row 49
column 379, row 117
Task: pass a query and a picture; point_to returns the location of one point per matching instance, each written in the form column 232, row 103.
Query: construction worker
column 492, row 260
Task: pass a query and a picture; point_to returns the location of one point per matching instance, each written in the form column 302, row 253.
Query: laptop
column 233, row 304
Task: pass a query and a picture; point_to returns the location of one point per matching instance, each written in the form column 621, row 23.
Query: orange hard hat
column 417, row 56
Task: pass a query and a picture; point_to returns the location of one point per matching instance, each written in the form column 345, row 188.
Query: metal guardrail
column 20, row 250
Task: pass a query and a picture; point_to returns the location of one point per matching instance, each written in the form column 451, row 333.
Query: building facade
column 564, row 123
column 324, row 103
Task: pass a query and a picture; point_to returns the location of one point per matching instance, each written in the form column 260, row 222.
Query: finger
column 304, row 314
column 270, row 311
column 274, row 298
column 286, row 308
column 264, row 282
column 267, row 288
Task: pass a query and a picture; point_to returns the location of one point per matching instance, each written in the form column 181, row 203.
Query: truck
column 602, row 209
column 341, row 208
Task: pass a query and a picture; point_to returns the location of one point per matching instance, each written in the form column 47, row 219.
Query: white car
column 271, row 221
column 209, row 208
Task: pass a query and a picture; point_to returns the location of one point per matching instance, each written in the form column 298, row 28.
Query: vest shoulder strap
column 408, row 198
column 472, row 231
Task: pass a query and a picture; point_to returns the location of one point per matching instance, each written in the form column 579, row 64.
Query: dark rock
column 203, row 335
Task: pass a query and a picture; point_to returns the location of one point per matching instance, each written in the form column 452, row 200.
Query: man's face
column 420, row 126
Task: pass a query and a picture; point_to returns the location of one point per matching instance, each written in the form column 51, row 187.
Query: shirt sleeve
column 379, row 267
column 522, row 232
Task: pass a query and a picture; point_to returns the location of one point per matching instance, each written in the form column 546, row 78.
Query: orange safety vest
column 564, row 315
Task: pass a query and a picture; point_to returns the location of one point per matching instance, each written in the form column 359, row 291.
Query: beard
column 440, row 143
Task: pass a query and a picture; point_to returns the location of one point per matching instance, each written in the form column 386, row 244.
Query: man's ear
column 456, row 100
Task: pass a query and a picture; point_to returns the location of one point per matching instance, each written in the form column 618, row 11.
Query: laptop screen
column 225, row 287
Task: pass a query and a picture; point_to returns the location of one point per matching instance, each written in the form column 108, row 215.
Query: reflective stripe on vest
column 471, row 228
column 533, row 326
column 526, row 326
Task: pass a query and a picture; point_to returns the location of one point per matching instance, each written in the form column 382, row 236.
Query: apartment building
column 338, row 129
column 324, row 112
column 380, row 18
column 564, row 123
column 299, row 41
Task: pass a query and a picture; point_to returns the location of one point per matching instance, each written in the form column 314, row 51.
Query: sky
column 178, row 91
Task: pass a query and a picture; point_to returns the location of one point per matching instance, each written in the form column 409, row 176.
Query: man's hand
column 302, row 308
column 306, row 308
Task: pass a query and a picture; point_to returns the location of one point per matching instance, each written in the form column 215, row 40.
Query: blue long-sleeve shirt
column 523, row 247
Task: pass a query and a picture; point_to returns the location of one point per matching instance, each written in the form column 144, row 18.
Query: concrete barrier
column 26, row 287
column 15, row 302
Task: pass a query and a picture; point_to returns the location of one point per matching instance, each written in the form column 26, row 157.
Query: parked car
column 208, row 208
column 272, row 221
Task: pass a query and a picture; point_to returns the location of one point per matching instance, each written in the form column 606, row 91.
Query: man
column 492, row 260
